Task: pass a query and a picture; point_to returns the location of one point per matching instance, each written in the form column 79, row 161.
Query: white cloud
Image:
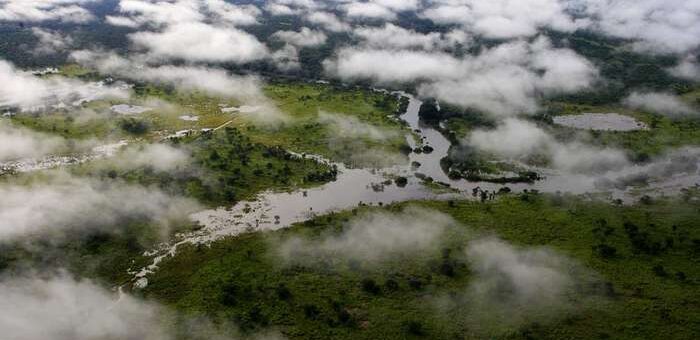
column 278, row 9
column 328, row 21
column 76, row 310
column 287, row 58
column 688, row 68
column 50, row 42
column 20, row 143
column 398, row 5
column 29, row 92
column 513, row 286
column 300, row 4
column 392, row 66
column 157, row 13
column 61, row 307
column 351, row 127
column 373, row 237
column 669, row 26
column 504, row 80
column 160, row 157
column 240, row 15
column 503, row 19
column 661, row 103
column 45, row 10
column 69, row 204
column 392, row 36
column 368, row 10
column 201, row 42
column 212, row 80
column 304, row 38
column 518, row 139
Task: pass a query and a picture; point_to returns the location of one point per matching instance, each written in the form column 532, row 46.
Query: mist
column 518, row 139
column 63, row 204
column 372, row 237
column 661, row 103
column 61, row 307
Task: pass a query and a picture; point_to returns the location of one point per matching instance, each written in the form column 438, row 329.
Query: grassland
column 652, row 275
column 304, row 133
column 224, row 167
column 301, row 104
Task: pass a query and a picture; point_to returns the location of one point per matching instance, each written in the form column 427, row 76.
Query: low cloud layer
column 514, row 286
column 669, row 26
column 20, row 143
column 201, row 43
column 29, row 92
column 502, row 19
column 373, row 237
column 51, row 42
column 503, row 80
column 215, row 81
column 351, row 127
column 63, row 308
column 45, row 10
column 60, row 307
column 392, row 36
column 517, row 139
column 303, row 38
column 661, row 103
column 688, row 68
column 160, row 157
column 64, row 203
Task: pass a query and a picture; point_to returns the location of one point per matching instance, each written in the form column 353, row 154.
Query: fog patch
column 159, row 157
column 63, row 203
column 328, row 21
column 368, row 10
column 503, row 80
column 304, row 38
column 202, row 43
column 517, row 139
column 503, row 19
column 656, row 26
column 661, row 103
column 360, row 144
column 51, row 42
column 352, row 127
column 513, row 286
column 61, row 307
column 372, row 237
column 31, row 93
column 45, row 10
column 392, row 36
column 20, row 143
column 215, row 81
column 688, row 68
column 286, row 58
column 676, row 167
column 137, row 13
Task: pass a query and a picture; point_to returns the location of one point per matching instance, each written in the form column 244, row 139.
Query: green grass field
column 306, row 134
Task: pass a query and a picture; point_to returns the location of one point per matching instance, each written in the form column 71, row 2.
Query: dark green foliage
column 134, row 126
column 335, row 299
column 227, row 167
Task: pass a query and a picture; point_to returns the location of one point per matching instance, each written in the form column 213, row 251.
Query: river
column 276, row 210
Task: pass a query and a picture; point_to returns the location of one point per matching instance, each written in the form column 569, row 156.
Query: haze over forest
column 349, row 169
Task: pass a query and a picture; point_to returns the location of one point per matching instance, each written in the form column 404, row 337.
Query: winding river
column 353, row 187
